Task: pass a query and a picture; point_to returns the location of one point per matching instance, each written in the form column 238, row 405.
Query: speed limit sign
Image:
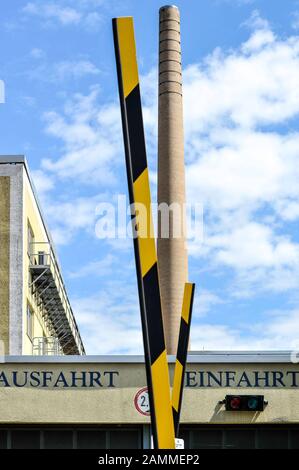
column 141, row 402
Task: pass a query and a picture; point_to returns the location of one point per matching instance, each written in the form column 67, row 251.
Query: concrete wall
column 16, row 312
column 4, row 260
column 11, row 246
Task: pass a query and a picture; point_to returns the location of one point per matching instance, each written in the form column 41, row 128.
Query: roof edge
column 206, row 357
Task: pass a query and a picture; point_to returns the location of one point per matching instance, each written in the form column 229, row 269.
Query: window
column 3, row 439
column 207, row 439
column 269, row 439
column 236, row 439
column 294, row 439
column 29, row 328
column 58, row 439
column 25, row 439
column 91, row 440
column 124, row 439
column 30, row 240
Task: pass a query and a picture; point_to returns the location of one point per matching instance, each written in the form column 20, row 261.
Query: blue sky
column 241, row 104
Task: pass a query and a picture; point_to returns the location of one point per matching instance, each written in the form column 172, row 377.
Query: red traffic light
column 235, row 403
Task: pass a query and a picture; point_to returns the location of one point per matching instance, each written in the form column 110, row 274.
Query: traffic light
column 244, row 402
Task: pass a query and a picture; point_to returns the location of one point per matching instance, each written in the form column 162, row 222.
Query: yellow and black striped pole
column 144, row 244
column 181, row 357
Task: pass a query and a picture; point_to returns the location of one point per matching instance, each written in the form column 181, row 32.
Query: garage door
column 241, row 437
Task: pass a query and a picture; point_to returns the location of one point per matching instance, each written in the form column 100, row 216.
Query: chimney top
column 168, row 6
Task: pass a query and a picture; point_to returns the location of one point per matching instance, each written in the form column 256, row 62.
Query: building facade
column 99, row 401
column 35, row 313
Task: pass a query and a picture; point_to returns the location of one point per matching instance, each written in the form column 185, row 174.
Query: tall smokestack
column 172, row 253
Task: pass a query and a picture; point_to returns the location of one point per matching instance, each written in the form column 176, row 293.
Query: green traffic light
column 252, row 403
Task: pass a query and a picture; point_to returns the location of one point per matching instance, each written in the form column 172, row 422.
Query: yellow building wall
column 31, row 214
column 115, row 404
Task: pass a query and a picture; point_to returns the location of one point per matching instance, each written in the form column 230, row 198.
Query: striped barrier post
column 181, row 357
column 144, row 244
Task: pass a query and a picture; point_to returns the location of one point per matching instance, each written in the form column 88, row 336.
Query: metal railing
column 46, row 346
column 42, row 256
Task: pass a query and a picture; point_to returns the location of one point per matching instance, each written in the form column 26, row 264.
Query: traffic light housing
column 244, row 402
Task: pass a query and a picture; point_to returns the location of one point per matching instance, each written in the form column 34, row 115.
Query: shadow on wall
column 220, row 415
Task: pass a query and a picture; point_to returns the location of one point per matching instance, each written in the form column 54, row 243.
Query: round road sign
column 141, row 402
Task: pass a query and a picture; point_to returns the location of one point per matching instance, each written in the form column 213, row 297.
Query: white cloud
column 240, row 90
column 258, row 40
column 110, row 324
column 274, row 333
column 91, row 137
column 67, row 218
column 109, row 321
column 2, row 92
column 92, row 21
column 256, row 22
column 30, row 101
column 43, row 182
column 253, row 245
column 262, row 34
column 244, row 172
column 241, row 167
column 53, row 11
column 75, row 69
column 61, row 71
column 37, row 53
column 78, row 13
column 90, row 134
column 288, row 209
column 295, row 22
column 88, row 3
column 101, row 268
column 238, row 3
column 204, row 301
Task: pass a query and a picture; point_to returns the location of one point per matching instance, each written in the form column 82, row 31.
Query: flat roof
column 196, row 357
column 12, row 159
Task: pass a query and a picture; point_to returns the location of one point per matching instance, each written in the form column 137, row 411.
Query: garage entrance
column 241, row 436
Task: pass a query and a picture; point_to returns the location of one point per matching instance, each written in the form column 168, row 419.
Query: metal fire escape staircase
column 48, row 288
